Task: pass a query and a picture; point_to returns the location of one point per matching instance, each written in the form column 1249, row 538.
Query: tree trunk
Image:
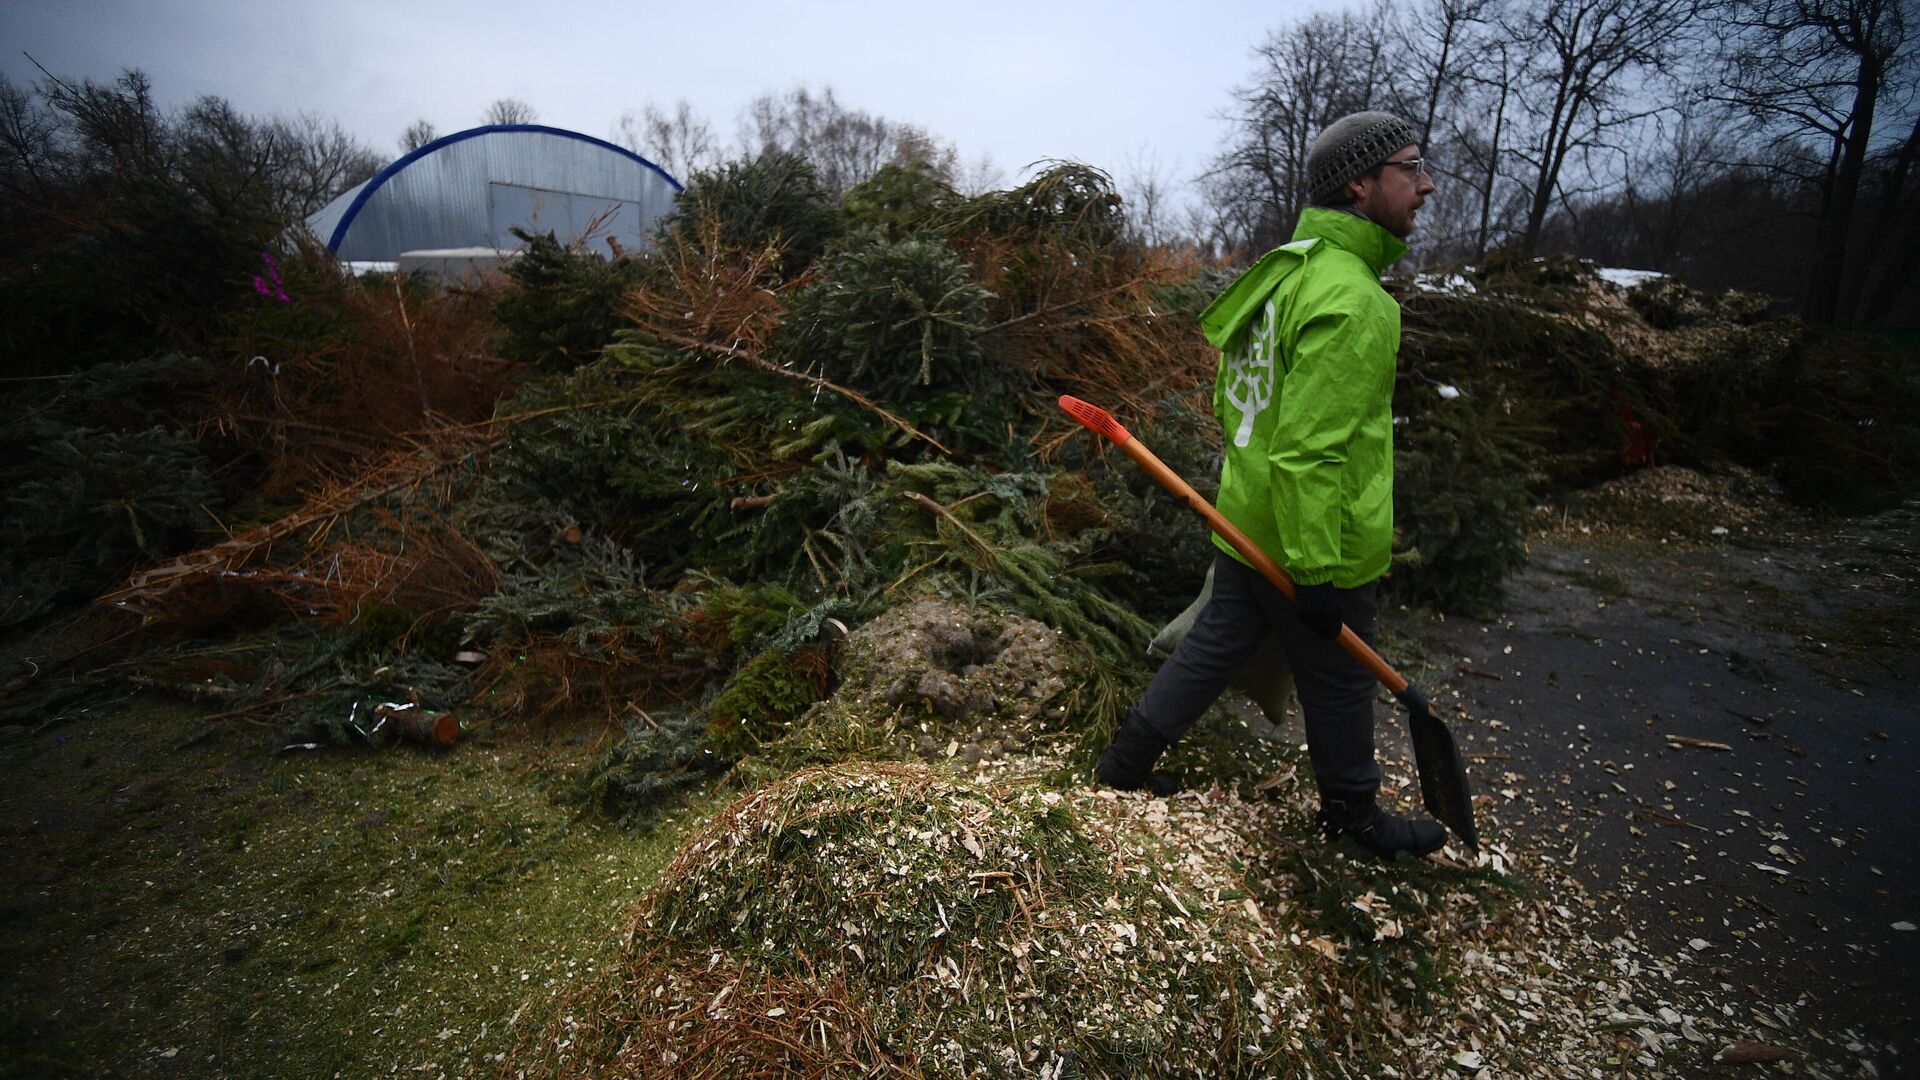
column 1830, row 253
column 1552, row 153
column 1493, row 170
column 1545, row 181
column 1895, row 232
column 1433, row 93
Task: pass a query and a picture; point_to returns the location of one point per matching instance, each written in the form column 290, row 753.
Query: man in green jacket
column 1307, row 341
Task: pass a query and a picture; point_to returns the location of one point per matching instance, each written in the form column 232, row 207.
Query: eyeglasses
column 1416, row 166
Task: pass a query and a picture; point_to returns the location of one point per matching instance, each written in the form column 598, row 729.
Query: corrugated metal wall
column 467, row 189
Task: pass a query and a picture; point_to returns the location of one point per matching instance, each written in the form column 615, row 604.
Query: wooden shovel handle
column 1099, row 421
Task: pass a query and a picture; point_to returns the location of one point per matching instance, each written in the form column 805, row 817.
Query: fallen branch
column 155, row 583
column 195, row 691
column 852, row 395
column 114, row 628
column 1750, row 1053
column 1055, row 309
column 1697, row 744
column 985, row 548
column 241, row 712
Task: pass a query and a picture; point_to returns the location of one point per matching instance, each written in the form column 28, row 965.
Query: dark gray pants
column 1336, row 693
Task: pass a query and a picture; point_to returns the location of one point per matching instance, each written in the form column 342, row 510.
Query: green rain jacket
column 1308, row 341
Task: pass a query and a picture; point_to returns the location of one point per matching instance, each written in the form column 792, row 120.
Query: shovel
column 1443, row 776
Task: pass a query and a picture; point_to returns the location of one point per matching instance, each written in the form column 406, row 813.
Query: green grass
column 220, row 909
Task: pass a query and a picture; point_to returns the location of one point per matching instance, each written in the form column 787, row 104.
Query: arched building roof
column 468, row 189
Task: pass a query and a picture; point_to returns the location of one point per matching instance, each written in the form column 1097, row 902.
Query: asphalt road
column 1726, row 740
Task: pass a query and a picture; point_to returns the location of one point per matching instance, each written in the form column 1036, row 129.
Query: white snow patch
column 1627, row 279
column 1444, row 283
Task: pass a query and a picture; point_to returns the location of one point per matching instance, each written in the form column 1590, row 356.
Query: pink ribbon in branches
column 271, row 286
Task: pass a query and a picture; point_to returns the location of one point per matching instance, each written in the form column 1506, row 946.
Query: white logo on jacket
column 1250, row 372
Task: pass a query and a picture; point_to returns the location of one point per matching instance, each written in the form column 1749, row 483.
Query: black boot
column 1384, row 834
column 1128, row 763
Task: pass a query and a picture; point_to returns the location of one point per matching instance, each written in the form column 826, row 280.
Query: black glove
column 1318, row 606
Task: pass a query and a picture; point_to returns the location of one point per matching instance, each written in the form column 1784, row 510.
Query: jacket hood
column 1241, row 301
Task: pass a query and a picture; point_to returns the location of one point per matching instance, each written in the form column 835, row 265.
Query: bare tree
column 418, row 134
column 1440, row 41
column 980, row 177
column 1665, row 189
column 207, row 153
column 680, row 142
column 1813, row 74
column 1670, row 211
column 1478, row 139
column 1203, row 226
column 1891, row 260
column 913, row 143
column 1451, row 78
column 113, row 126
column 225, row 158
column 508, row 110
column 844, row 145
column 28, row 143
column 1146, row 190
column 1306, row 76
column 160, row 211
column 1585, row 80
column 314, row 160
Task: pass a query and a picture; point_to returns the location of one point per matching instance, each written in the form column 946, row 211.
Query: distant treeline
column 1764, row 145
column 1761, row 144
column 125, row 229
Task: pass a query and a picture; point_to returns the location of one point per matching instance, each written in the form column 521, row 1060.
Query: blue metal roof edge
column 381, row 177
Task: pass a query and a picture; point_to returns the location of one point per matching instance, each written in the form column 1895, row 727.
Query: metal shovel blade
column 1443, row 775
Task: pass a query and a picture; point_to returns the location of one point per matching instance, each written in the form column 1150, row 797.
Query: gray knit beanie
column 1350, row 146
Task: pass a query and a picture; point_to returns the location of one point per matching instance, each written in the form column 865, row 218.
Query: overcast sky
column 1117, row 85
